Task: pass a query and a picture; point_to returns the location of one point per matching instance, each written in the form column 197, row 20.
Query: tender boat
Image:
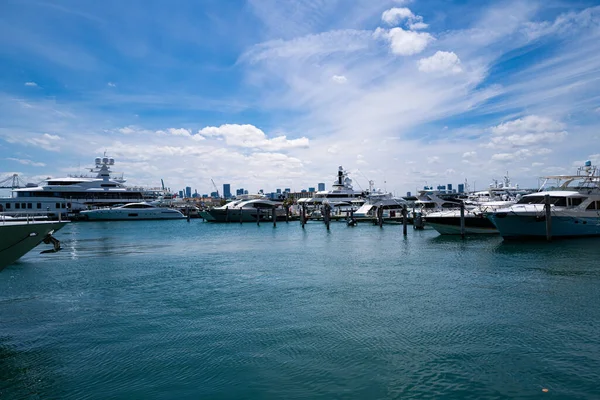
column 247, row 208
column 132, row 211
column 574, row 209
column 17, row 237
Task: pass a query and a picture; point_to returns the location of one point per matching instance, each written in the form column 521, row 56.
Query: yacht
column 132, row 211
column 17, row 237
column 574, row 208
column 73, row 193
column 246, row 208
column 376, row 199
column 477, row 205
column 341, row 195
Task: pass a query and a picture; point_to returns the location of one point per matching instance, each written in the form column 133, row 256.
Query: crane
column 215, row 186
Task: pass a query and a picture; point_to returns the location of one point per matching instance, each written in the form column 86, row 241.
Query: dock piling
column 274, row 217
column 462, row 220
column 548, row 213
column 404, row 220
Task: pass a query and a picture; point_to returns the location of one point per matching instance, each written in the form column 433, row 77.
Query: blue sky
column 272, row 93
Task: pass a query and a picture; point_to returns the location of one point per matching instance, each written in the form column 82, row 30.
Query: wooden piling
column 274, row 217
column 287, row 214
column 462, row 220
column 257, row 216
column 303, row 215
column 404, row 220
column 227, row 214
column 326, row 214
column 548, row 213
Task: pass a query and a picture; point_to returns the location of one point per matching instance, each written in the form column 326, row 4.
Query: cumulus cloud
column 520, row 154
column 469, row 154
column 27, row 162
column 179, row 132
column 403, row 42
column 32, row 84
column 111, row 84
column 251, row 137
column 433, row 160
column 529, row 131
column 45, row 141
column 396, row 15
column 442, row 61
column 339, row 79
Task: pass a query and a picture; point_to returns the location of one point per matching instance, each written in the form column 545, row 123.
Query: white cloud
column 404, row 43
column 32, row 84
column 111, row 84
column 520, row 154
column 45, row 141
column 415, row 26
column 179, row 132
column 27, row 162
column 339, row 79
column 251, row 137
column 395, row 15
column 433, row 160
column 441, row 61
column 51, row 137
column 469, row 154
column 531, row 130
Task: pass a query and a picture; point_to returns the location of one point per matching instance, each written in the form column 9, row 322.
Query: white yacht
column 17, row 237
column 246, row 208
column 574, row 208
column 73, row 193
column 376, row 199
column 132, row 211
column 341, row 194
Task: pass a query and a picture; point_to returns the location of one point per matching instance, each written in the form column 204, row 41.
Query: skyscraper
column 188, row 192
column 321, row 186
column 311, row 189
column 226, row 190
column 461, row 188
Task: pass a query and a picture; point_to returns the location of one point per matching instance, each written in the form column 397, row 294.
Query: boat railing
column 30, row 216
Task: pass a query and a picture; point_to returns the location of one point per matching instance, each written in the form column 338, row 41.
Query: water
column 173, row 309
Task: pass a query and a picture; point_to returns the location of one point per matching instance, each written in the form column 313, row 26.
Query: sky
column 266, row 94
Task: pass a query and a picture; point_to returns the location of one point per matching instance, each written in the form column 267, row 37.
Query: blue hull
column 532, row 227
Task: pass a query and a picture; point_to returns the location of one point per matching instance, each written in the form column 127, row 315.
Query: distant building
column 408, row 194
column 239, row 192
column 205, row 196
column 226, row 190
column 214, row 194
column 449, row 187
column 321, row 186
column 303, row 191
column 311, row 189
column 245, row 191
column 278, row 191
column 188, row 192
column 461, row 188
column 288, row 190
column 181, row 194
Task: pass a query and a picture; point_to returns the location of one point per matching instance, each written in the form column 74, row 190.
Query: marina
column 230, row 310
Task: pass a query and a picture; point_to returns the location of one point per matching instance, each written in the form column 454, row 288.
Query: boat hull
column 18, row 238
column 451, row 225
column 131, row 214
column 247, row 215
column 514, row 226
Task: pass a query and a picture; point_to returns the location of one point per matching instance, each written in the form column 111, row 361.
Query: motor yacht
column 18, row 237
column 376, row 199
column 574, row 208
column 341, row 195
column 132, row 211
column 246, row 208
column 73, row 193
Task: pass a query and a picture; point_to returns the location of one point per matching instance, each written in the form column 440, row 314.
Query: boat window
column 29, row 205
column 594, row 205
column 450, row 205
column 7, row 206
column 57, row 205
column 17, row 205
column 556, row 200
column 39, row 205
column 575, row 201
column 23, row 205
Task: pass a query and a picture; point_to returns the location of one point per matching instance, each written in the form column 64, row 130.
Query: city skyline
column 246, row 92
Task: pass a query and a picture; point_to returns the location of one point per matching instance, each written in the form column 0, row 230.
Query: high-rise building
column 461, row 188
column 214, row 195
column 408, row 194
column 278, row 191
column 226, row 190
column 245, row 191
column 239, row 192
column 181, row 194
column 449, row 187
column 288, row 190
column 303, row 191
column 321, row 186
column 188, row 192
column 311, row 189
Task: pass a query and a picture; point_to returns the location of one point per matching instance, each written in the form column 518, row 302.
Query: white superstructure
column 132, row 211
column 73, row 193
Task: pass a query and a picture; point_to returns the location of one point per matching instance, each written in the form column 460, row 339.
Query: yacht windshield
column 556, row 200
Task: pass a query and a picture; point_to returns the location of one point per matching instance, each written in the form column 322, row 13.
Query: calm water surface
column 172, row 309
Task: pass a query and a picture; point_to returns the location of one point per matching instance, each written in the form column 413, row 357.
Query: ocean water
column 192, row 310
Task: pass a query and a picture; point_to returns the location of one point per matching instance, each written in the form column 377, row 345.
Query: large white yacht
column 574, row 208
column 341, row 194
column 17, row 237
column 73, row 193
column 132, row 211
column 246, row 208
